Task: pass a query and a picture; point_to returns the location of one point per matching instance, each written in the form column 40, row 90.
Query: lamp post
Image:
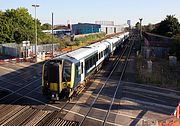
column 140, row 27
column 35, row 25
column 52, row 28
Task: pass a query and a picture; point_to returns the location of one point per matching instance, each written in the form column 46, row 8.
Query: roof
column 112, row 40
column 78, row 54
column 100, row 45
column 61, row 27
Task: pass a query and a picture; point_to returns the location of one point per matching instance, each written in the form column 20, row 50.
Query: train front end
column 56, row 79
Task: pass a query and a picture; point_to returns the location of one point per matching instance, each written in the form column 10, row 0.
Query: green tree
column 17, row 25
column 46, row 26
column 168, row 27
column 137, row 26
column 150, row 27
column 22, row 24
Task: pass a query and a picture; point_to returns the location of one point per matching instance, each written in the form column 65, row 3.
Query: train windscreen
column 66, row 77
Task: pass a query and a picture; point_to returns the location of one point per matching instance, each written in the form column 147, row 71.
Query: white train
column 62, row 75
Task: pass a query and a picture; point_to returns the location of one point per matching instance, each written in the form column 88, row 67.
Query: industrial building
column 100, row 26
column 85, row 28
column 59, row 31
column 109, row 27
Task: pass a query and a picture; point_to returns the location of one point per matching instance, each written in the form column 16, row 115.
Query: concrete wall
column 160, row 52
column 111, row 29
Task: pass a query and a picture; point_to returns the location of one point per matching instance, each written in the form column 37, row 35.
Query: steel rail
column 116, row 64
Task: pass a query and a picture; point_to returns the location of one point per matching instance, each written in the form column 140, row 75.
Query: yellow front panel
column 53, row 86
column 65, row 84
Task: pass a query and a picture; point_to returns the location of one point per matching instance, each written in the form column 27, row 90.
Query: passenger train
column 62, row 75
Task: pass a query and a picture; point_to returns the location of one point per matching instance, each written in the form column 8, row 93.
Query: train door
column 82, row 70
column 77, row 75
column 52, row 78
column 66, row 74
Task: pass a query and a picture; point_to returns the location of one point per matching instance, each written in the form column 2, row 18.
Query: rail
column 105, row 83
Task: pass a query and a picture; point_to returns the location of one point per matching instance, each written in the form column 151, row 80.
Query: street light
column 35, row 24
column 140, row 26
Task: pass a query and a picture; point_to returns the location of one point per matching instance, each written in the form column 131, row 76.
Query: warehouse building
column 85, row 28
column 109, row 27
column 100, row 26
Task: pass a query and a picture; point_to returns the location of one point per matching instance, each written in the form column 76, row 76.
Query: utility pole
column 35, row 24
column 52, row 27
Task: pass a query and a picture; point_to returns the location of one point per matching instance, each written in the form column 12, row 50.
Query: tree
column 23, row 24
column 17, row 25
column 168, row 27
column 150, row 27
column 137, row 26
column 46, row 26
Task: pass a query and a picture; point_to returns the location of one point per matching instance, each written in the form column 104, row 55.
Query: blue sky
column 152, row 11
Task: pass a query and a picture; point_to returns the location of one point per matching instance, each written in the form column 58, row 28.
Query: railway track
column 17, row 109
column 107, row 84
column 21, row 78
column 66, row 107
column 95, row 106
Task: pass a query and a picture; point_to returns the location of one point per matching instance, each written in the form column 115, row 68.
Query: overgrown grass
column 162, row 74
column 85, row 40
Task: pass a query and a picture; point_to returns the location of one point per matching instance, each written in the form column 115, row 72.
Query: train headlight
column 65, row 84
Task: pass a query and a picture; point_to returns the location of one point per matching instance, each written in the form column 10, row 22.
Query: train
column 63, row 75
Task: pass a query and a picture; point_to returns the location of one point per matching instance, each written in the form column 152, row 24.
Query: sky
column 119, row 11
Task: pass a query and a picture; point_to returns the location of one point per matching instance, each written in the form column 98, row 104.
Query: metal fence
column 17, row 50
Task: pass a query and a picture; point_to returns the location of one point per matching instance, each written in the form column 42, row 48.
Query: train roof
column 86, row 51
column 78, row 54
column 100, row 45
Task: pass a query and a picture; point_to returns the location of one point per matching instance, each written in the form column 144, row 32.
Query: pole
column 141, row 27
column 35, row 25
column 35, row 34
column 52, row 36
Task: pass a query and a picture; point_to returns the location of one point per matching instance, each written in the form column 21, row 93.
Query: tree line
column 17, row 25
column 169, row 27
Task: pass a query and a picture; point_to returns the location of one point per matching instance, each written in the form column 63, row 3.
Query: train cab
column 57, row 78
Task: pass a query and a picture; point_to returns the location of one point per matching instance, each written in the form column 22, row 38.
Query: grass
column 162, row 74
column 85, row 40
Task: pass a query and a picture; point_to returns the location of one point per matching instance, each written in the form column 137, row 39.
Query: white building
column 109, row 28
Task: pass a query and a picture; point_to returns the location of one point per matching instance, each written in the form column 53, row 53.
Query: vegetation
column 162, row 74
column 85, row 40
column 17, row 25
column 137, row 26
column 46, row 26
column 168, row 27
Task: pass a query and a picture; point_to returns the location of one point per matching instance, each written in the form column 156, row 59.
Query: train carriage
column 62, row 75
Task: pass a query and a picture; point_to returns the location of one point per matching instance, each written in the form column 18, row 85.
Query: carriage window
column 66, row 71
column 77, row 72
